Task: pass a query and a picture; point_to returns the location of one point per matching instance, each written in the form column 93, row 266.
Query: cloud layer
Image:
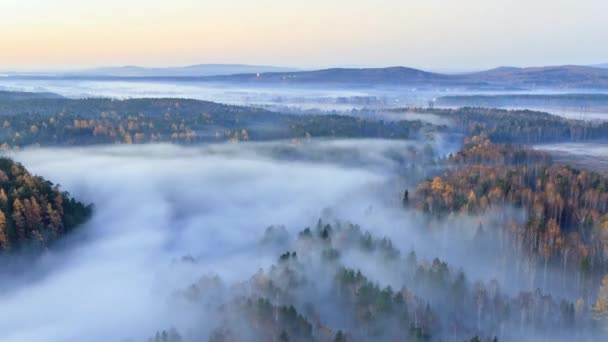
column 158, row 203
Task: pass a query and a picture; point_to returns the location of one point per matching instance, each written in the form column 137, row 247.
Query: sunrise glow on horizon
column 468, row 34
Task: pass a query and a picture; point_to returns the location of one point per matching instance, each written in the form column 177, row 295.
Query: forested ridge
column 479, row 149
column 52, row 121
column 27, row 120
column 518, row 126
column 33, row 211
column 561, row 240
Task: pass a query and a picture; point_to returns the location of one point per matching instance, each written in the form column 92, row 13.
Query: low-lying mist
column 587, row 155
column 158, row 205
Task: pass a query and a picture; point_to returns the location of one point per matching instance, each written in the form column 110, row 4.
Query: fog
column 591, row 155
column 291, row 99
column 165, row 215
column 327, row 97
column 157, row 203
column 596, row 150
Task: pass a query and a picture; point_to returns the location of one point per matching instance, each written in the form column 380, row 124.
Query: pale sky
column 430, row 34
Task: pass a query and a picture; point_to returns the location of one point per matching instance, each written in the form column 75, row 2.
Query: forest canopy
column 33, row 211
column 60, row 121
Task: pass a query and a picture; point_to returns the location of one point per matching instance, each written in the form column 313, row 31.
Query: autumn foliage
column 33, row 211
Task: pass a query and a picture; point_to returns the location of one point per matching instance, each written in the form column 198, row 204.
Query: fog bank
column 157, row 203
column 165, row 215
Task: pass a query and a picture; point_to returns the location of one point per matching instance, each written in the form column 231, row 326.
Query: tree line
column 105, row 121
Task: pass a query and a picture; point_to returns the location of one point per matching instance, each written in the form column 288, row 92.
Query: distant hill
column 18, row 95
column 391, row 75
column 199, row 70
column 604, row 65
column 503, row 78
column 568, row 76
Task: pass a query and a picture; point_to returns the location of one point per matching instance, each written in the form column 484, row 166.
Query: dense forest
column 33, row 211
column 524, row 126
column 59, row 121
column 479, row 149
column 45, row 120
column 561, row 238
column 518, row 126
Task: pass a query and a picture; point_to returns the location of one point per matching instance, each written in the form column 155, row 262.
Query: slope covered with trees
column 33, row 211
column 479, row 149
column 49, row 121
column 26, row 120
column 561, row 235
column 518, row 126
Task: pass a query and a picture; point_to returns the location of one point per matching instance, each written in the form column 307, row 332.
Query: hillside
column 567, row 76
column 63, row 121
column 518, row 126
column 391, row 75
column 33, row 211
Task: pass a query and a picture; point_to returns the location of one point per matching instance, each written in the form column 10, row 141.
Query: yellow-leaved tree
column 3, row 232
